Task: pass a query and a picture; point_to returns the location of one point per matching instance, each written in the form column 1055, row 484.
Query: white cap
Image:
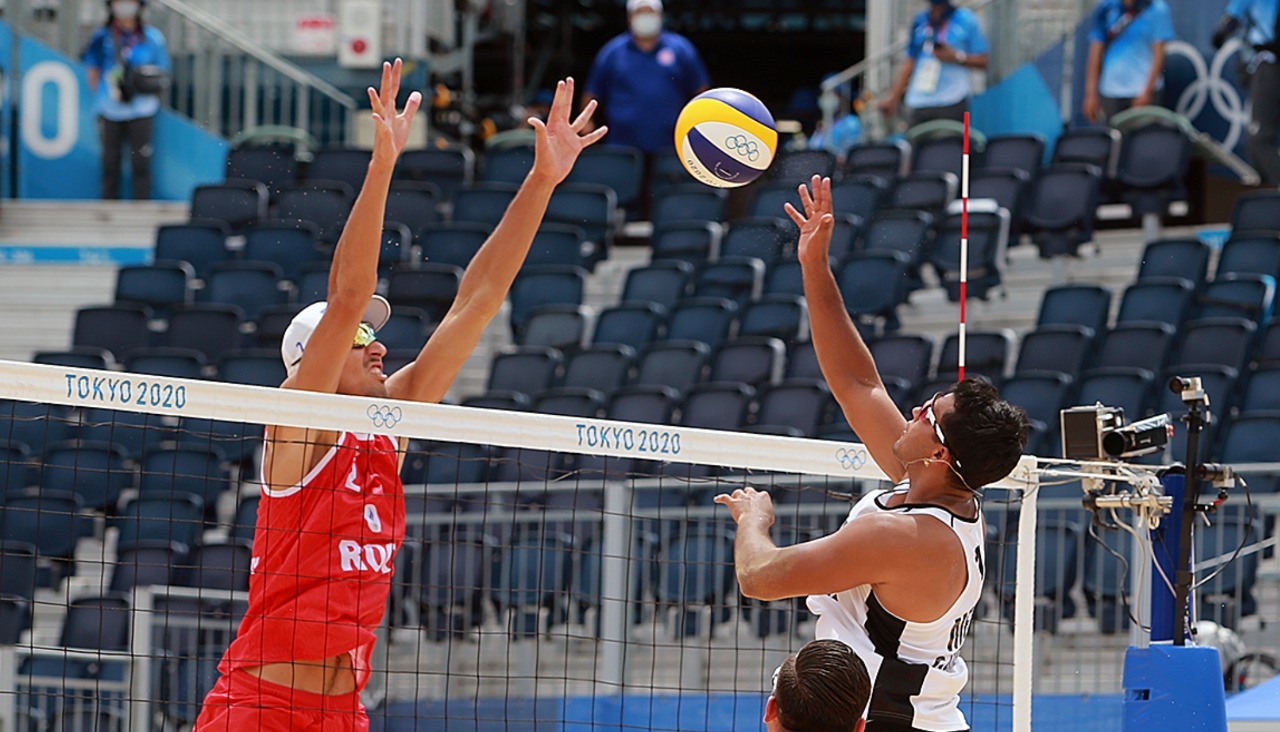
column 304, row 324
column 634, row 5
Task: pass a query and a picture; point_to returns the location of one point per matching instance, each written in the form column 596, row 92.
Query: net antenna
column 964, row 242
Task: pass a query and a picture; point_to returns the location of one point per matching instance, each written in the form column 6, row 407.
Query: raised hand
column 748, row 503
column 558, row 140
column 816, row 222
column 391, row 132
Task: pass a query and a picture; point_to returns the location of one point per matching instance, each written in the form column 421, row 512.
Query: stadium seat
column 696, row 571
column 846, row 232
column 739, row 279
column 1060, row 211
column 1024, row 153
column 146, row 563
column 1156, row 300
column 557, row 326
column 770, row 199
column 272, row 322
column 780, row 316
column 134, row 432
column 51, row 522
column 1127, row 388
column 1098, row 146
column 255, row 367
column 1087, row 305
column 1106, row 596
column 220, row 565
column 545, row 285
column 237, row 203
column 508, row 165
column 453, row 583
column 1062, row 348
column 172, row 472
column 721, row 405
column 570, row 402
column 1185, row 258
column 1256, row 211
column 688, row 202
column 1238, row 295
column 902, row 355
column 987, row 353
column 116, row 329
column 860, row 195
column 273, row 165
column 592, row 207
column 510, row 401
column 289, row 244
column 1223, row 341
column 162, row 286
column 17, row 589
column 675, row 364
column 526, row 369
column 887, row 159
column 938, row 154
column 85, row 357
column 903, row 231
column 454, row 244
column 618, row 167
column 210, row 328
column 201, row 244
column 324, row 206
column 175, row 518
column 873, row 285
column 414, row 204
column 707, row 319
column 430, row 288
column 793, row 167
column 1261, row 390
column 397, row 248
column 1152, row 167
column 449, row 168
column 35, row 425
column 250, row 286
column 643, row 403
column 800, row 403
column 532, row 575
column 753, row 360
column 928, row 191
column 347, row 164
column 20, row 469
column 988, row 241
column 99, row 623
column 562, row 244
column 1134, row 345
column 664, row 282
column 1249, row 254
column 94, row 471
column 181, row 363
column 602, row 366
column 1043, row 395
column 784, row 278
column 689, row 241
column 764, row 238
column 632, row 324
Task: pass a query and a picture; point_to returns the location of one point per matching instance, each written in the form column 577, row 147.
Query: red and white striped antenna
column 964, row 241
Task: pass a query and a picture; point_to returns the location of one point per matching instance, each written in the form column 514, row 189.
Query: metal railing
column 228, row 84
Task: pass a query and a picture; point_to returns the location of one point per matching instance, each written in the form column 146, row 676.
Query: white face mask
column 125, row 10
column 646, row 25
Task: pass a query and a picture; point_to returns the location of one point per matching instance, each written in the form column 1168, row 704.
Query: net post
column 1024, row 600
column 615, row 602
column 140, row 647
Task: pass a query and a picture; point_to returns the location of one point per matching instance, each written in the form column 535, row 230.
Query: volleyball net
column 561, row 571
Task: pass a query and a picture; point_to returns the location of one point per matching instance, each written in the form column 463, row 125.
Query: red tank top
column 323, row 553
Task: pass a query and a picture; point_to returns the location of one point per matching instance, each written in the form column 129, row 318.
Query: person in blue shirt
column 1261, row 22
column 124, row 116
column 946, row 43
column 643, row 78
column 1126, row 56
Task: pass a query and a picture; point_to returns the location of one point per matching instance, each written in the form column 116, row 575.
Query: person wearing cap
column 946, row 43
column 822, row 688
column 332, row 518
column 124, row 116
column 900, row 580
column 643, row 78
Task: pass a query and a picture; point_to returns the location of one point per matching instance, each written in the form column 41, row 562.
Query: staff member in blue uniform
column 946, row 43
column 1126, row 56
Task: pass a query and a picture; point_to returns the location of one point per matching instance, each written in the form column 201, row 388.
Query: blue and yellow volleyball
column 726, row 137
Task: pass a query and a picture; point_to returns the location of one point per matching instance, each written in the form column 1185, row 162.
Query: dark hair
column 985, row 433
column 111, row 18
column 823, row 688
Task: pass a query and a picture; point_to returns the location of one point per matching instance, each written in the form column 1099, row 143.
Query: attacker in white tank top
column 899, row 581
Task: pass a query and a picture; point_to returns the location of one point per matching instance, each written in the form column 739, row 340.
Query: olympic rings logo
column 383, row 416
column 1209, row 88
column 851, row 459
column 743, row 146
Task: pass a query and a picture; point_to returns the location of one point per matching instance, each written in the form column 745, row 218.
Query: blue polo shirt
column 642, row 93
column 1259, row 17
column 1130, row 55
column 139, row 49
column 961, row 32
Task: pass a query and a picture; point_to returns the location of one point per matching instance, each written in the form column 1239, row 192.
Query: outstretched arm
column 353, row 274
column 495, row 265
column 845, row 360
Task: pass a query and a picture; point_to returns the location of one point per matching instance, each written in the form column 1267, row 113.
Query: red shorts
column 241, row 701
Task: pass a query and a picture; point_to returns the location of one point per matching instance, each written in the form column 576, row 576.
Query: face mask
column 646, row 25
column 125, row 10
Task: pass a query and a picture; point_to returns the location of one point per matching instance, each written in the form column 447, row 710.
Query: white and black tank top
column 916, row 669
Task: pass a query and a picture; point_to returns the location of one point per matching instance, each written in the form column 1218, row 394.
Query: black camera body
column 1100, row 433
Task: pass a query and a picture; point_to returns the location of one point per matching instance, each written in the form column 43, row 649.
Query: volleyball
column 725, row 137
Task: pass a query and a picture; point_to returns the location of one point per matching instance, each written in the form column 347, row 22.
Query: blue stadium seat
column 507, row 165
column 632, row 324
column 1098, row 146
column 1008, row 188
column 545, row 285
column 563, row 244
column 1127, row 388
column 1157, row 300
column 35, row 425
column 115, row 328
column 1043, row 395
column 800, row 403
column 1056, row 572
column 146, row 563
column 1239, row 295
column 1250, row 438
column 272, row 322
column 85, row 357
column 1024, row 153
column 413, row 204
column 510, row 401
column 784, row 278
column 323, row 204
column 20, row 469
column 526, row 369
column 887, row 159
column 556, row 326
column 860, row 195
column 1061, row 210
column 210, row 328
column 185, row 470
column 873, row 285
column 987, row 353
column 618, row 167
column 938, row 154
column 246, row 518
column 1105, row 589
column 175, row 518
column 1249, row 254
column 928, row 191
column 602, row 366
column 689, row 241
column 94, row 471
column 237, row 203
column 739, row 279
column 273, row 165
column 134, row 432
column 753, row 360
column 1184, row 258
column 689, row 202
column 181, row 363
column 254, row 367
column 163, row 285
column 1087, row 305
column 1062, row 348
column 430, row 288
column 902, row 355
column 695, row 571
column 664, row 282
column 1224, row 341
column 449, row 168
column 707, row 319
column 846, row 232
column 717, row 406
column 675, row 364
column 455, row 244
column 1228, row 596
column 988, row 240
column 764, row 238
column 1256, row 211
column 794, row 167
column 1152, row 167
column 780, row 316
column 347, row 164
column 51, row 522
column 453, row 583
column 592, row 207
column 291, row 245
column 1135, row 345
column 17, row 589
column 1261, row 389
column 643, row 403
column 222, row 565
column 906, row 232
column 249, row 285
column 533, row 574
column 570, row 402
column 770, row 199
